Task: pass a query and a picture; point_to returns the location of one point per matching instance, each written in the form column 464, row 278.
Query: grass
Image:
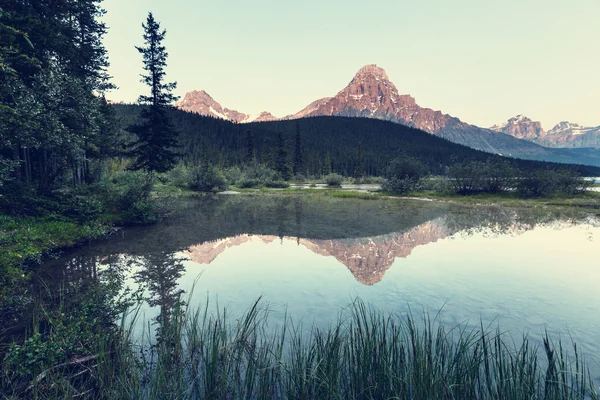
column 589, row 201
column 27, row 239
column 363, row 355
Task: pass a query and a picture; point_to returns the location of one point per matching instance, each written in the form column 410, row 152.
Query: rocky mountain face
column 306, row 111
column 564, row 134
column 202, row 103
column 264, row 116
column 567, row 134
column 371, row 94
column 521, row 127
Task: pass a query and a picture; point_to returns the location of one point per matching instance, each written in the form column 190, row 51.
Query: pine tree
column 250, row 157
column 358, row 168
column 298, row 159
column 281, row 161
column 327, row 167
column 156, row 135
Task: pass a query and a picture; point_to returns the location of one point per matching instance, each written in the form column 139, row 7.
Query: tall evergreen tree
column 298, row 159
column 250, row 157
column 327, row 167
column 156, row 135
column 281, row 158
column 358, row 167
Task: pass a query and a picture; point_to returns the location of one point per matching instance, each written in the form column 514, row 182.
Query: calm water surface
column 523, row 270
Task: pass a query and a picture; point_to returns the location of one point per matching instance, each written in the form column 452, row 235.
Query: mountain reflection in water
column 364, row 236
column 367, row 258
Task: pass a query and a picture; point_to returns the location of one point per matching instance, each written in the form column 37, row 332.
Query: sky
column 481, row 61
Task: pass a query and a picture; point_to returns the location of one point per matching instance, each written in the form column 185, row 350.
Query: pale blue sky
column 481, row 61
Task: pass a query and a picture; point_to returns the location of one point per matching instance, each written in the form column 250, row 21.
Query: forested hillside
column 342, row 143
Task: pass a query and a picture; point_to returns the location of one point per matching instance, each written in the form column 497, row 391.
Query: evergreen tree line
column 317, row 146
column 57, row 128
column 53, row 73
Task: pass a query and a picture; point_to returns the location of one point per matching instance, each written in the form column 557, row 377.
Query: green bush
column 299, row 178
column 541, row 183
column 334, row 179
column 207, row 179
column 261, row 173
column 246, row 183
column 180, row 175
column 85, row 208
column 435, row 183
column 128, row 193
column 233, row 175
column 277, row 184
column 403, row 175
column 482, row 177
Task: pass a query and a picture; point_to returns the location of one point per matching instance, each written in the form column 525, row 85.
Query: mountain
column 564, row 135
column 521, row 127
column 264, row 116
column 200, row 102
column 306, row 111
column 371, row 94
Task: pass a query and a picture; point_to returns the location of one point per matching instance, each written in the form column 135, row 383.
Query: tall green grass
column 364, row 354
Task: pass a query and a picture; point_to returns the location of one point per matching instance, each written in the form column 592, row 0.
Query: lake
column 524, row 270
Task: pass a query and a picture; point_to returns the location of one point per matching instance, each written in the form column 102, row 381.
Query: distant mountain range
column 564, row 134
column 371, row 94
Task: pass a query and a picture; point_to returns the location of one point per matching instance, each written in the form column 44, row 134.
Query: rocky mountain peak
column 521, row 127
column 373, row 71
column 563, row 126
column 568, row 129
column 371, row 94
column 264, row 116
column 200, row 102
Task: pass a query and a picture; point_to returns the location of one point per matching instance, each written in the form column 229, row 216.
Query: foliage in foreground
column 364, row 355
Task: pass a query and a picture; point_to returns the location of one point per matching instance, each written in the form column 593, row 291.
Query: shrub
column 334, row 179
column 435, row 183
column 399, row 186
column 128, row 193
column 261, row 173
column 490, row 176
column 85, row 208
column 403, row 174
column 541, row 183
column 233, row 175
column 258, row 175
column 207, row 179
column 299, row 178
column 277, row 184
column 180, row 175
column 246, row 183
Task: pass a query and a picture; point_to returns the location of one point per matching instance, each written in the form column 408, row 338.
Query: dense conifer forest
column 345, row 141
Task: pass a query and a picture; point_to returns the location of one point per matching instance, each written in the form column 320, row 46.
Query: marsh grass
column 364, row 354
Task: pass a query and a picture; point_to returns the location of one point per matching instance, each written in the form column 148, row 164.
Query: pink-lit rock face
column 521, row 127
column 371, row 94
column 202, row 103
column 563, row 134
